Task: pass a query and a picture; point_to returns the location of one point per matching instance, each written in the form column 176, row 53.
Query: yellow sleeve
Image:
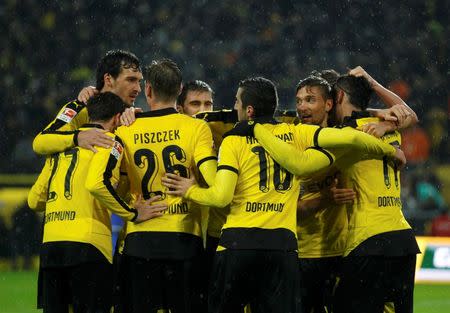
column 208, row 170
column 221, row 191
column 298, row 162
column 348, row 137
column 103, row 178
column 61, row 133
column 204, row 154
column 37, row 196
column 316, row 158
column 219, row 194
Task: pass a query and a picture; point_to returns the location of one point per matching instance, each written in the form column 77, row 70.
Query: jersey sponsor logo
column 156, row 137
column 264, row 207
column 317, row 186
column 389, row 201
column 60, row 216
column 117, row 150
column 67, row 115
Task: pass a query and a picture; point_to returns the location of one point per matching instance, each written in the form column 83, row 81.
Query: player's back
column 377, row 207
column 158, row 142
column 72, row 213
column 263, row 210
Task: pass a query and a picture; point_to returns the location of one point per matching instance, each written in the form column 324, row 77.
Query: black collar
column 351, row 120
column 265, row 120
column 154, row 113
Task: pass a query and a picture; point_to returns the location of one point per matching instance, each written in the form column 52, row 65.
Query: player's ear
column 339, row 96
column 148, row 90
column 180, row 109
column 117, row 120
column 107, row 78
column 328, row 105
column 250, row 111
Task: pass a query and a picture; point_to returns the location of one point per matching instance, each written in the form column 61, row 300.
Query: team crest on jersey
column 117, row 150
column 67, row 115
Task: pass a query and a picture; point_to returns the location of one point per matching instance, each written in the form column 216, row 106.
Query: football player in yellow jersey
column 162, row 257
column 118, row 72
column 380, row 256
column 197, row 96
column 76, row 253
column 256, row 260
column 322, row 220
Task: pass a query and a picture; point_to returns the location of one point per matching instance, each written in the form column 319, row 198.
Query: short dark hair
column 261, row 93
column 103, row 106
column 165, row 78
column 358, row 90
column 193, row 85
column 330, row 75
column 113, row 62
column 317, row 81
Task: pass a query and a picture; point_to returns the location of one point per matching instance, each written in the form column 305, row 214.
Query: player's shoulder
column 70, row 110
column 225, row 116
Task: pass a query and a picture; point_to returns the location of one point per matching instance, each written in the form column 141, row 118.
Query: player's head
column 162, row 81
column 354, row 91
column 106, row 108
column 196, row 96
column 314, row 99
column 330, row 75
column 119, row 71
column 256, row 97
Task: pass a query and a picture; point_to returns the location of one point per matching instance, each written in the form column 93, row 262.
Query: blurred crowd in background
column 51, row 48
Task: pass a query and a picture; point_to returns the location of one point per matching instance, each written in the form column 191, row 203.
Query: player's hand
column 147, row 210
column 90, row 138
column 178, row 186
column 360, row 72
column 401, row 112
column 341, row 195
column 399, row 158
column 385, row 115
column 244, row 128
column 129, row 116
column 378, row 129
column 86, row 93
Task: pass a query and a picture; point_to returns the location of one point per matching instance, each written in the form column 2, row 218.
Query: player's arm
column 406, row 116
column 62, row 133
column 221, row 191
column 102, row 180
column 218, row 195
column 323, row 199
column 301, row 163
column 204, row 154
column 305, row 163
column 37, row 196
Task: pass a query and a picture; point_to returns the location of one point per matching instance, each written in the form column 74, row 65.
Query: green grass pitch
column 18, row 295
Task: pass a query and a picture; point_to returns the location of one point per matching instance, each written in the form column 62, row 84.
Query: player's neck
column 348, row 108
column 108, row 126
column 159, row 105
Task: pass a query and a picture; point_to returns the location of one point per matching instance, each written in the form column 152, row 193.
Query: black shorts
column 317, row 282
column 117, row 283
column 265, row 279
column 368, row 282
column 210, row 251
column 87, row 286
column 152, row 284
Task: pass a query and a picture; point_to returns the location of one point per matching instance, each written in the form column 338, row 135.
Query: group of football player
column 298, row 213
